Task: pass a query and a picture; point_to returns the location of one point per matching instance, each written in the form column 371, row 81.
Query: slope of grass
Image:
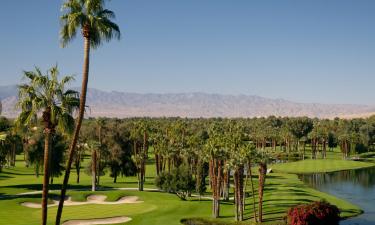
column 319, row 166
column 282, row 191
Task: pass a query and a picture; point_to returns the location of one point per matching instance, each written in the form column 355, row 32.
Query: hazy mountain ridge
column 122, row 104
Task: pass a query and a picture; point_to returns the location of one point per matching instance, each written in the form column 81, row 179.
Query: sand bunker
column 91, row 199
column 112, row 220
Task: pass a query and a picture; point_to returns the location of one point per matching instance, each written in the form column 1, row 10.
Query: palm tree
column 46, row 94
column 78, row 158
column 93, row 146
column 95, row 23
column 139, row 135
column 216, row 154
column 262, row 158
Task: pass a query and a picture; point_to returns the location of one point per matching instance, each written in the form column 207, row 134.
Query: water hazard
column 356, row 186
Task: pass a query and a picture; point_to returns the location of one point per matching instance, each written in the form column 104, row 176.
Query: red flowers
column 316, row 213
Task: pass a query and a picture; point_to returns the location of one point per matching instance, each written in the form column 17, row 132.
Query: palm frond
column 80, row 13
column 45, row 92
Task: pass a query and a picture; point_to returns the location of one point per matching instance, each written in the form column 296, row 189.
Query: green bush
column 178, row 181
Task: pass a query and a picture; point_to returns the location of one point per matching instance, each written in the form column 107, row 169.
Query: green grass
column 319, row 166
column 283, row 190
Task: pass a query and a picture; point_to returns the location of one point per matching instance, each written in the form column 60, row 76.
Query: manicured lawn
column 283, row 190
column 319, row 165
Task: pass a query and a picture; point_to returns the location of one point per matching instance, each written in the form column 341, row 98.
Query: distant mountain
column 121, row 104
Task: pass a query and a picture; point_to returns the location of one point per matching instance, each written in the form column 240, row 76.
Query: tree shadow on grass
column 196, row 199
column 4, row 177
column 273, row 176
column 126, row 182
column 18, row 174
column 30, row 197
column 38, row 187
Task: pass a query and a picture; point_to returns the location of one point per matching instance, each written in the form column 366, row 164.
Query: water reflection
column 356, row 186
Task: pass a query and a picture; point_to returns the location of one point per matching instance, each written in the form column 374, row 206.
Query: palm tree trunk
column 252, row 191
column 115, row 177
column 47, row 146
column 213, row 182
column 244, row 189
column 98, row 168
column 82, row 104
column 157, row 163
column 236, row 195
column 13, row 154
column 99, row 156
column 218, row 182
column 262, row 180
column 78, row 168
column 226, row 186
column 241, row 197
column 93, row 171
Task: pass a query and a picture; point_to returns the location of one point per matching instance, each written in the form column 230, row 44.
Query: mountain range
column 122, row 104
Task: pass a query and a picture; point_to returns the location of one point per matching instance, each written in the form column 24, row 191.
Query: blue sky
column 307, row 51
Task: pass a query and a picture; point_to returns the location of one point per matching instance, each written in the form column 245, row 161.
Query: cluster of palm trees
column 224, row 149
column 224, row 145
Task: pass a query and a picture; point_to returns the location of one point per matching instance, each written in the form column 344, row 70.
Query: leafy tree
column 4, row 124
column 59, row 145
column 118, row 142
column 178, row 181
column 300, row 127
column 35, row 152
column 4, row 127
column 202, row 173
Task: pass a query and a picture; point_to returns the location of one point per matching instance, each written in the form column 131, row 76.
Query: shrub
column 316, row 213
column 178, row 181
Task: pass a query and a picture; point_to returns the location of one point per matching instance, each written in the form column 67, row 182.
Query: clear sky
column 307, row 51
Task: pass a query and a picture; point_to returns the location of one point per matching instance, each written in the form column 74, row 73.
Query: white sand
column 112, row 220
column 96, row 198
column 91, row 199
column 129, row 200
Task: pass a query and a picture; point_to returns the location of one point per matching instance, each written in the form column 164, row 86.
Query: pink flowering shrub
column 316, row 213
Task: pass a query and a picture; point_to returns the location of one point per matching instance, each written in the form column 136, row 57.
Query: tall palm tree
column 96, row 26
column 45, row 94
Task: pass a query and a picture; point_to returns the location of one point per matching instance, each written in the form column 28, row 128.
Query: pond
column 356, row 186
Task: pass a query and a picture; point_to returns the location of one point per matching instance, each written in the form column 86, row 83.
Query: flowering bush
column 316, row 213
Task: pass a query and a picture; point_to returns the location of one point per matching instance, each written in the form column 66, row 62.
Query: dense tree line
column 212, row 153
